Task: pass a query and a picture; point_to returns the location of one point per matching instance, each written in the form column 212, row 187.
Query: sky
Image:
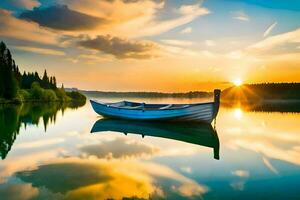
column 155, row 45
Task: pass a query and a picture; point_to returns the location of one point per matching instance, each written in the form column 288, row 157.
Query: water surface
column 49, row 152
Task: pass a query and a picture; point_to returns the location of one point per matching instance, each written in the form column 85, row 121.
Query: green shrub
column 40, row 94
column 61, row 95
column 23, row 95
column 76, row 96
column 36, row 91
column 49, row 95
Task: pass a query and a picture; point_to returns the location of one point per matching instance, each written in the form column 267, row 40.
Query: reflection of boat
column 200, row 134
column 203, row 112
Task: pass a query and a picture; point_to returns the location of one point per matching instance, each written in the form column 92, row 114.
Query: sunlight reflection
column 102, row 178
column 264, row 134
column 238, row 113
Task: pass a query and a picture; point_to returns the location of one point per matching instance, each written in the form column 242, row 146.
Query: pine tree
column 8, row 82
column 2, row 49
column 54, row 82
column 45, row 80
column 11, row 78
column 51, row 81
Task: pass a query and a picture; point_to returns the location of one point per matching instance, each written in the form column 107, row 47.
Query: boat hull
column 203, row 112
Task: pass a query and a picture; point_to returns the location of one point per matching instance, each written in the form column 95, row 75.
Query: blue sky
column 182, row 45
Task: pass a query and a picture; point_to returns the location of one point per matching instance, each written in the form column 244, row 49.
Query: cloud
column 101, row 179
column 274, row 43
column 62, row 177
column 238, row 185
column 28, row 4
column 37, row 50
column 119, row 18
column 178, row 42
column 270, row 166
column 193, row 9
column 117, row 10
column 186, row 30
column 37, row 144
column 186, row 169
column 241, row 173
column 238, row 54
column 62, row 18
column 12, row 27
column 210, row 43
column 94, row 58
column 270, row 150
column 188, row 14
column 282, row 145
column 135, row 18
column 175, row 51
column 269, row 29
column 119, row 148
column 189, row 190
column 240, row 15
column 18, row 191
column 120, row 48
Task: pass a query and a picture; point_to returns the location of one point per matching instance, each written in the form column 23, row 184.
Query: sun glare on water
column 238, row 82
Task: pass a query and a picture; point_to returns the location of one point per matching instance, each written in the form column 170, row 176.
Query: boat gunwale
column 127, row 108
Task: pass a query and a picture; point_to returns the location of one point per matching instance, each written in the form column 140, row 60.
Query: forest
column 17, row 87
column 263, row 92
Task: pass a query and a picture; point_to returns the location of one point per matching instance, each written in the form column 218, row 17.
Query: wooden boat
column 194, row 133
column 199, row 112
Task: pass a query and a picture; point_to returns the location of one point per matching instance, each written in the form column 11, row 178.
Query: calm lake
column 49, row 152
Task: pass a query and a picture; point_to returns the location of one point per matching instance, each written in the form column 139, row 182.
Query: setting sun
column 237, row 82
column 238, row 113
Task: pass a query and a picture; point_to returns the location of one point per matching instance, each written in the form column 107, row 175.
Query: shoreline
column 18, row 102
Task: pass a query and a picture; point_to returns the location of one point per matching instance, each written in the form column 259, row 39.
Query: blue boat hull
column 203, row 112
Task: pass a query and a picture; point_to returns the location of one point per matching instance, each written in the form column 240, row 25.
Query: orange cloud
column 120, row 48
column 12, row 27
column 37, row 50
column 135, row 18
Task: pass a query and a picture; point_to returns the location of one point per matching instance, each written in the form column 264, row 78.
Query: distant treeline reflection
column 263, row 91
column 265, row 106
column 12, row 117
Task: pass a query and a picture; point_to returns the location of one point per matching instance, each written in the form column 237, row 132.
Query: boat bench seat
column 131, row 107
column 166, row 107
column 173, row 106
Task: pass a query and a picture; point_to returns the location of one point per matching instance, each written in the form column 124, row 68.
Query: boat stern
column 217, row 97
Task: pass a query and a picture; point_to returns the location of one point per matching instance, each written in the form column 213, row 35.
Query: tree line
column 11, row 78
column 192, row 94
column 29, row 86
